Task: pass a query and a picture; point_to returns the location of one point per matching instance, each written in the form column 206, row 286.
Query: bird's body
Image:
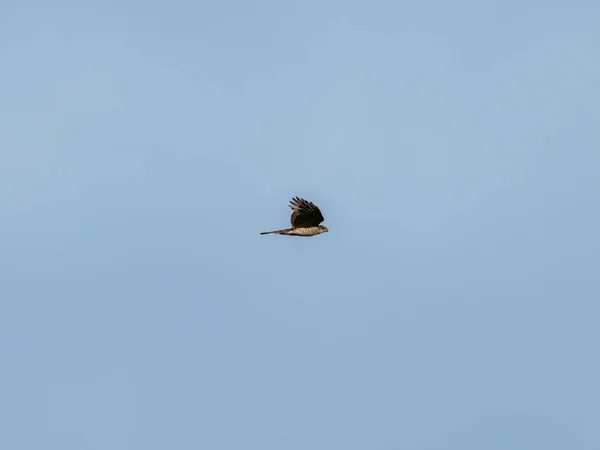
column 305, row 219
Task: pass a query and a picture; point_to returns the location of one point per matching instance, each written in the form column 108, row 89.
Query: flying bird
column 305, row 220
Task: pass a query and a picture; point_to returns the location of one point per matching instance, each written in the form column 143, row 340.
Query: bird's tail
column 277, row 231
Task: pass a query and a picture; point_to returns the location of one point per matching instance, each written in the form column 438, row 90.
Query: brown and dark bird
column 305, row 219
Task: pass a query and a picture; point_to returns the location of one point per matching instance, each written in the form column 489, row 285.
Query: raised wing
column 306, row 214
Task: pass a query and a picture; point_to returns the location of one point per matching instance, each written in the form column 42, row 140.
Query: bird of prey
column 305, row 219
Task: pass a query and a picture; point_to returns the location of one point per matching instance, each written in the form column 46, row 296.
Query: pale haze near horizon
column 453, row 148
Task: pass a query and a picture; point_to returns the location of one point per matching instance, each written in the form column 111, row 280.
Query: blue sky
column 453, row 148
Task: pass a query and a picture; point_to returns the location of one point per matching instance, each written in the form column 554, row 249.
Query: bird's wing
column 306, row 214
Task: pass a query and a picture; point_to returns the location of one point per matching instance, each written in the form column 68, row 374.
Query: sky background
column 453, row 147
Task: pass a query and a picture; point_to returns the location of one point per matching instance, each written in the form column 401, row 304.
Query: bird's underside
column 306, row 219
column 300, row 231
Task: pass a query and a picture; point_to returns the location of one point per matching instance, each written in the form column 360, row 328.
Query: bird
column 306, row 220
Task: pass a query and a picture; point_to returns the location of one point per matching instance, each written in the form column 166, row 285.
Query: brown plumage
column 305, row 219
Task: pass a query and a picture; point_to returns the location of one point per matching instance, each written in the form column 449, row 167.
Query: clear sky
column 453, row 147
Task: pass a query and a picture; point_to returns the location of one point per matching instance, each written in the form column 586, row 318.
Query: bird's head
column 324, row 228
